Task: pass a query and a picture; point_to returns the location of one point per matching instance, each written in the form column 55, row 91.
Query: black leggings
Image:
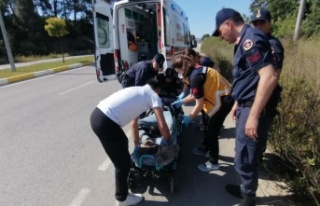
column 115, row 143
column 213, row 126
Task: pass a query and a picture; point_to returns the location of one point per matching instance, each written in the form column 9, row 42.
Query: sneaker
column 132, row 199
column 248, row 201
column 208, row 166
column 201, row 152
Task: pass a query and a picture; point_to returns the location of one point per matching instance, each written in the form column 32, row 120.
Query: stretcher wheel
column 134, row 180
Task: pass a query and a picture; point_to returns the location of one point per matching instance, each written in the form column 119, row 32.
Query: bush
column 221, row 53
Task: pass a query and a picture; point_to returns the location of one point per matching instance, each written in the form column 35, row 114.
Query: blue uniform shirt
column 277, row 51
column 252, row 53
column 140, row 73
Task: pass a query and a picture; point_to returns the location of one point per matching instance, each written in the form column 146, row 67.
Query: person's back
column 120, row 103
column 141, row 72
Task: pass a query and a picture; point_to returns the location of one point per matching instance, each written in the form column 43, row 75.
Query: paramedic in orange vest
column 211, row 92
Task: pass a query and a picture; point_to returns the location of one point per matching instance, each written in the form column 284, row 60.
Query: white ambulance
column 129, row 31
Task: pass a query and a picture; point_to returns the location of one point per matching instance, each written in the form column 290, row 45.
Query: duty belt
column 246, row 104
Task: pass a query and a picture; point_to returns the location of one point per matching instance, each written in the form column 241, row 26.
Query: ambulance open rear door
column 104, row 40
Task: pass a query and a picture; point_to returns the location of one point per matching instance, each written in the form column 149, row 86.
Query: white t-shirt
column 127, row 104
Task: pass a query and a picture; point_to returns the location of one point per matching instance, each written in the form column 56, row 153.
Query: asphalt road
column 51, row 157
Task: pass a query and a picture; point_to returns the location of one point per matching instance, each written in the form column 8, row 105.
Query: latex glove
column 136, row 149
column 135, row 154
column 186, row 120
column 164, row 142
column 177, row 104
column 181, row 96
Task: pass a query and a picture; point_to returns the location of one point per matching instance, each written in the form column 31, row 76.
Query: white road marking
column 104, row 166
column 80, row 197
column 70, row 90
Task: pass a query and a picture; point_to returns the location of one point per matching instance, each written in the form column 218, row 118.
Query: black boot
column 248, row 201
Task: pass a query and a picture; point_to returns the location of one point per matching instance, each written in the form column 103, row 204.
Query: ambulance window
column 166, row 28
column 103, row 31
column 186, row 34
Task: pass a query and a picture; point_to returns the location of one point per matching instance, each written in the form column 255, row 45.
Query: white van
column 134, row 30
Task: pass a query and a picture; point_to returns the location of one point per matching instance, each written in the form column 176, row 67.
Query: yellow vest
column 214, row 87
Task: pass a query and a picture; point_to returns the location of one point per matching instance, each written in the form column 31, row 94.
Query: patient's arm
column 162, row 125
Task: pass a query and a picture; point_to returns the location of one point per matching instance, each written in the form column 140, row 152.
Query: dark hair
column 155, row 83
column 170, row 73
column 192, row 53
column 185, row 63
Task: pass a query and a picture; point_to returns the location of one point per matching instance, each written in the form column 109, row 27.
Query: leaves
column 56, row 27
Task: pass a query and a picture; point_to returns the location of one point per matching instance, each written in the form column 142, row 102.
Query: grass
column 43, row 66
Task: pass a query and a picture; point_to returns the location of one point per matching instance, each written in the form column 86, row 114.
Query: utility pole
column 299, row 20
column 6, row 42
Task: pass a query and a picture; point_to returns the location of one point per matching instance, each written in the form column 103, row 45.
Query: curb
column 18, row 78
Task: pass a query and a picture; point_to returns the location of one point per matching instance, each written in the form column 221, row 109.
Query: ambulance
column 130, row 31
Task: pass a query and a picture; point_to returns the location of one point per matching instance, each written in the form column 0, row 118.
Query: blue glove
column 164, row 142
column 136, row 149
column 186, row 120
column 177, row 104
column 181, row 96
column 135, row 154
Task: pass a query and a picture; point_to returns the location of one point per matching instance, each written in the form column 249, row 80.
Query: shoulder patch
column 247, row 44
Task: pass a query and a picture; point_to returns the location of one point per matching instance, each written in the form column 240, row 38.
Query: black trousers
column 213, row 127
column 115, row 143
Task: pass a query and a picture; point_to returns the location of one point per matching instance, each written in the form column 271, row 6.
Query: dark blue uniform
column 252, row 53
column 139, row 74
column 277, row 51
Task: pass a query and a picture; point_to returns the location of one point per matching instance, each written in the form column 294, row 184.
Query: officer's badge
column 258, row 13
column 247, row 45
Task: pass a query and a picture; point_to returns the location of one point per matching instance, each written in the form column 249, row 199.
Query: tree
column 205, row 36
column 56, row 27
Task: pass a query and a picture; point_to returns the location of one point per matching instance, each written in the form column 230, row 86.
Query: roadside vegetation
column 295, row 137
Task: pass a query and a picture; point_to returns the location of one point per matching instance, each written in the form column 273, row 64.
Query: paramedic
column 211, row 92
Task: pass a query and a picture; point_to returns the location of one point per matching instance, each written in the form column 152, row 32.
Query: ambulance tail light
column 117, row 60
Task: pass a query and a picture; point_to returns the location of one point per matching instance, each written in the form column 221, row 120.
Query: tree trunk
column 61, row 48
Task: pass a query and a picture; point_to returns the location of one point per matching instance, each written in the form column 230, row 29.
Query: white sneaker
column 208, row 166
column 132, row 199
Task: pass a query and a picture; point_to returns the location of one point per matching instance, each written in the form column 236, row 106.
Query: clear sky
column 201, row 13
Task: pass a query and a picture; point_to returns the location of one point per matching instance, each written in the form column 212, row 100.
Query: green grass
column 43, row 66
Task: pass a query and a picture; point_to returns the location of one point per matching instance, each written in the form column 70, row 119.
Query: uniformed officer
column 254, row 80
column 262, row 20
column 141, row 72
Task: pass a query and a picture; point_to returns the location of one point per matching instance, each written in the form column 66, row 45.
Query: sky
column 202, row 13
